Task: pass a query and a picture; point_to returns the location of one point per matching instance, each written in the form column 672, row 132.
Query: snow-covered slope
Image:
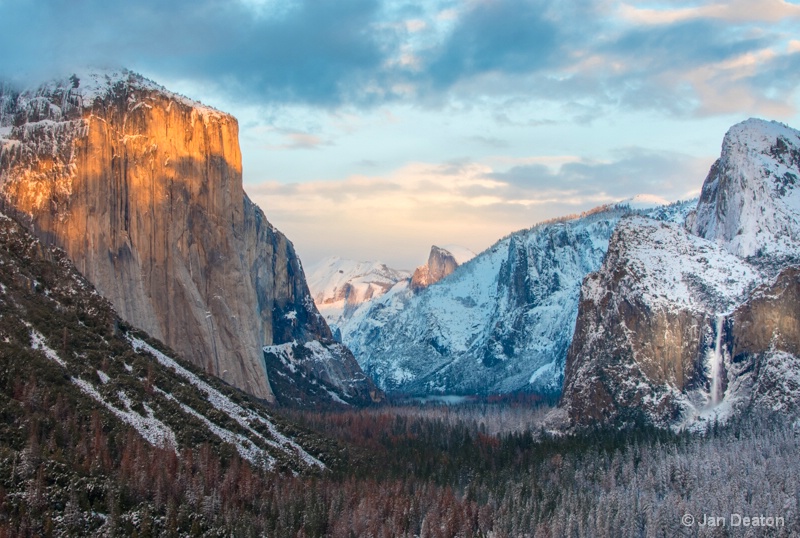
column 339, row 286
column 684, row 325
column 750, row 202
column 501, row 322
column 82, row 89
column 58, row 331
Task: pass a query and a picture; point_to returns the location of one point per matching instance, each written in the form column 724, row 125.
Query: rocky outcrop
column 750, row 202
column 647, row 325
column 143, row 190
column 315, row 374
column 673, row 329
column 441, row 263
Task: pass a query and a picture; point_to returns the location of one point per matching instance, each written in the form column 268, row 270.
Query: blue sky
column 372, row 129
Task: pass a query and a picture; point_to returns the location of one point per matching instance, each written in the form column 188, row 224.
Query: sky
column 373, row 129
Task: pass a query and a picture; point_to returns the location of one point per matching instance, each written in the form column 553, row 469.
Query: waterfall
column 716, row 363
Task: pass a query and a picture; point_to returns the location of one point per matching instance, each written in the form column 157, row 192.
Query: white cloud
column 735, row 11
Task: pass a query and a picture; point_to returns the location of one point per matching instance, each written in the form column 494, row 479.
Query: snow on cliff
column 750, row 202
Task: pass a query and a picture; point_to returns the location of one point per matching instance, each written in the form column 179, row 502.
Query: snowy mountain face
column 683, row 325
column 501, row 322
column 339, row 286
column 750, row 202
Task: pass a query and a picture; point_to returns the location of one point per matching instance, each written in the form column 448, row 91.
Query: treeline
column 639, row 482
column 64, row 472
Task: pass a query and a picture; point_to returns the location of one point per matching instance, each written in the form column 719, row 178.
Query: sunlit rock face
column 682, row 326
column 765, row 344
column 441, row 263
column 143, row 189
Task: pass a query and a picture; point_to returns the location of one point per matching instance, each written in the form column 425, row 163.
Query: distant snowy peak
column 339, row 285
column 750, row 201
column 335, row 279
column 644, row 201
column 442, row 261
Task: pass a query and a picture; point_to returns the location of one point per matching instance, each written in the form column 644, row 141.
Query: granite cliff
column 687, row 324
column 441, row 263
column 143, row 190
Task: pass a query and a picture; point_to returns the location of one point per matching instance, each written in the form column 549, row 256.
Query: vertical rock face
column 441, row 263
column 647, row 324
column 750, row 202
column 673, row 328
column 765, row 344
column 143, row 190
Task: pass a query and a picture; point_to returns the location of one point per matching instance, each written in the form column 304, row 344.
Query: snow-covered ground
column 246, row 418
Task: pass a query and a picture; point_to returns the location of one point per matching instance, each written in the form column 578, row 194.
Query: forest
column 478, row 469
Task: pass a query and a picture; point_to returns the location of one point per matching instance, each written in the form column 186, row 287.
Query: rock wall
column 765, row 345
column 750, row 200
column 441, row 263
column 673, row 328
column 143, row 190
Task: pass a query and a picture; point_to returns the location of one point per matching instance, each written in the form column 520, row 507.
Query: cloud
column 323, row 53
column 398, row 215
column 634, row 171
column 511, row 36
column 735, row 11
column 488, row 141
column 590, row 58
column 298, row 140
column 680, row 45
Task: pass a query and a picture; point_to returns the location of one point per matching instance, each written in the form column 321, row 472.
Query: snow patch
column 548, row 369
column 104, row 379
column 38, row 343
column 150, row 428
column 244, row 417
